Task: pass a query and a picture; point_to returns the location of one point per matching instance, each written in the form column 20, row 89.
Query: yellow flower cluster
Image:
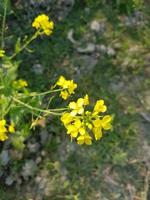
column 67, row 86
column 80, row 123
column 2, row 53
column 4, row 130
column 20, row 84
column 43, row 24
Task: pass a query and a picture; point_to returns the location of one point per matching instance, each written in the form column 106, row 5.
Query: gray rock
column 102, row 48
column 15, row 154
column 9, row 180
column 43, row 153
column 29, row 169
column 95, row 26
column 70, row 37
column 87, row 10
column 117, row 86
column 90, row 48
column 4, row 158
column 33, row 148
column 38, row 69
column 98, row 26
column 38, row 160
column 110, row 51
column 44, row 136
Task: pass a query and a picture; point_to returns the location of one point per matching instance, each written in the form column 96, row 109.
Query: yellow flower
column 2, row 122
column 77, row 107
column 2, row 53
column 3, row 136
column 71, row 86
column 97, row 133
column 3, row 130
column 99, row 107
column 84, row 139
column 64, row 94
column 80, row 123
column 61, row 81
column 98, row 124
column 43, row 23
column 68, row 87
column 20, row 84
column 97, row 129
column 106, row 122
column 86, row 100
column 75, row 128
column 11, row 128
column 66, row 118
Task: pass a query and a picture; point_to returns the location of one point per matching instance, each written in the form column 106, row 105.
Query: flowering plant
column 18, row 105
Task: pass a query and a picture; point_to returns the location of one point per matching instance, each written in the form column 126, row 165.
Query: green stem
column 34, row 94
column 25, row 45
column 3, row 24
column 34, row 108
column 44, row 93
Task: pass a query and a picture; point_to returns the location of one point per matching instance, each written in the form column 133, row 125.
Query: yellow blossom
column 3, row 136
column 81, row 123
column 20, row 83
column 75, row 128
column 84, row 139
column 97, row 132
column 11, row 128
column 3, row 130
column 106, row 122
column 66, row 118
column 43, row 23
column 86, row 100
column 71, row 86
column 77, row 107
column 68, row 87
column 64, row 94
column 98, row 124
column 61, row 81
column 2, row 122
column 99, row 107
column 2, row 53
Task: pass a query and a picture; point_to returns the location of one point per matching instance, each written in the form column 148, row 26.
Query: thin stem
column 3, row 24
column 25, row 45
column 35, row 108
column 59, row 109
column 33, row 94
column 44, row 93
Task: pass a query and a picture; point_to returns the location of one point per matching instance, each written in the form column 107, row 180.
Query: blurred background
column 104, row 46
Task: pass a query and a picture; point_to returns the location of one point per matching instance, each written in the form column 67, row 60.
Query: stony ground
column 107, row 53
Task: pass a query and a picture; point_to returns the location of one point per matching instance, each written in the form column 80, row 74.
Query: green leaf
column 18, row 141
column 18, row 45
column 3, row 4
column 29, row 50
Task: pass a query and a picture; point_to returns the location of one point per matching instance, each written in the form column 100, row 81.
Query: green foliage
column 3, row 5
column 81, row 170
column 127, row 6
column 122, row 6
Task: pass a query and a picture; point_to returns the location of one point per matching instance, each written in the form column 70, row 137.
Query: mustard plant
column 21, row 109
